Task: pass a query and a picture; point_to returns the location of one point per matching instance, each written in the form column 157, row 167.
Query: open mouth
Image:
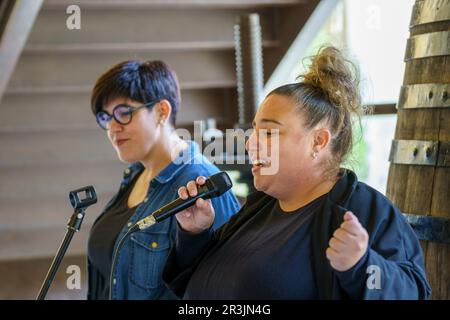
column 260, row 163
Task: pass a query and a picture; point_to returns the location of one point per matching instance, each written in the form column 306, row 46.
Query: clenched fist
column 348, row 244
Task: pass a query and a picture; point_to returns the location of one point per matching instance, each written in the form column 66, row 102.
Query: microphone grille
column 221, row 183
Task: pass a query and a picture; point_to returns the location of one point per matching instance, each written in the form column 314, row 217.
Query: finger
column 200, row 180
column 348, row 216
column 353, row 227
column 182, row 193
column 200, row 203
column 344, row 236
column 192, row 188
column 331, row 254
column 337, row 245
column 203, row 204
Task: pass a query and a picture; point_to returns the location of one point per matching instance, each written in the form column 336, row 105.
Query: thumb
column 348, row 216
column 201, row 203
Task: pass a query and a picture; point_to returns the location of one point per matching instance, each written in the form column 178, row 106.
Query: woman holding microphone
column 312, row 230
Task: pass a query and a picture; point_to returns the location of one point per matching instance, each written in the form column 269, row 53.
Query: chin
column 267, row 184
column 260, row 183
column 126, row 157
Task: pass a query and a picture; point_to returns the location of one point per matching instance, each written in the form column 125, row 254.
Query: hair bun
column 337, row 77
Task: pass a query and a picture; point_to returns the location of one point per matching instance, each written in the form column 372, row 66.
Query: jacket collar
column 344, row 187
column 324, row 224
column 187, row 156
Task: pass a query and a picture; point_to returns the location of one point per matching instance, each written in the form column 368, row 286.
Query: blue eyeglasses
column 122, row 113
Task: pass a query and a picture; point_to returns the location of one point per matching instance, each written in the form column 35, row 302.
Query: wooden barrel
column 419, row 173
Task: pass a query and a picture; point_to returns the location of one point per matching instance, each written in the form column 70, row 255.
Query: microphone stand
column 73, row 225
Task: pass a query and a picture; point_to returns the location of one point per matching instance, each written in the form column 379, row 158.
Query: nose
column 114, row 125
column 252, row 142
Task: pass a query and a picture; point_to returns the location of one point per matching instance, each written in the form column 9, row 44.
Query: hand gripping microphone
column 214, row 186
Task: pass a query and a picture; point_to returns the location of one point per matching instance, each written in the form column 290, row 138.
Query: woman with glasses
column 136, row 104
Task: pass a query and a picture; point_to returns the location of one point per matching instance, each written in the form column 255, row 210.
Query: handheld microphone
column 214, row 186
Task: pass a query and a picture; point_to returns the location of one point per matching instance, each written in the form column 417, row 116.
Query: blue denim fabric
column 143, row 255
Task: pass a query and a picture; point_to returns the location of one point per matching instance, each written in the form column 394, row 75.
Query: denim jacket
column 141, row 259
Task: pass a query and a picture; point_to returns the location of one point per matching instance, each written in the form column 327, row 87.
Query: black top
column 103, row 238
column 243, row 269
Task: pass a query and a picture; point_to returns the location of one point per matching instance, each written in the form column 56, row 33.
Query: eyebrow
column 268, row 121
column 119, row 104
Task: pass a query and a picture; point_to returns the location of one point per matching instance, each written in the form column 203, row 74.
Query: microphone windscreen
column 221, row 183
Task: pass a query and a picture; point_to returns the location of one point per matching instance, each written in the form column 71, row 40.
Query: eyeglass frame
column 131, row 110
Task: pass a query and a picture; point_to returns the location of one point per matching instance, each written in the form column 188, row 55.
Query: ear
column 321, row 139
column 163, row 110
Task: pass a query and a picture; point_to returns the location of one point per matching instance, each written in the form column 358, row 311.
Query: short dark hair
column 138, row 81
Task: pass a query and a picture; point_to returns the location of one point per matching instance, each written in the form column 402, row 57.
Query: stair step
column 136, row 47
column 65, row 147
column 78, row 71
column 40, row 242
column 58, row 112
column 43, row 182
column 148, row 25
column 39, row 90
column 45, row 212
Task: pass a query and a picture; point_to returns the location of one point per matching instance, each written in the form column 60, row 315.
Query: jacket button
column 127, row 171
column 154, row 245
column 145, row 200
column 114, row 281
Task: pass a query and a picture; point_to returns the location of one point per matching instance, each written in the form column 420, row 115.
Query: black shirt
column 269, row 256
column 103, row 237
